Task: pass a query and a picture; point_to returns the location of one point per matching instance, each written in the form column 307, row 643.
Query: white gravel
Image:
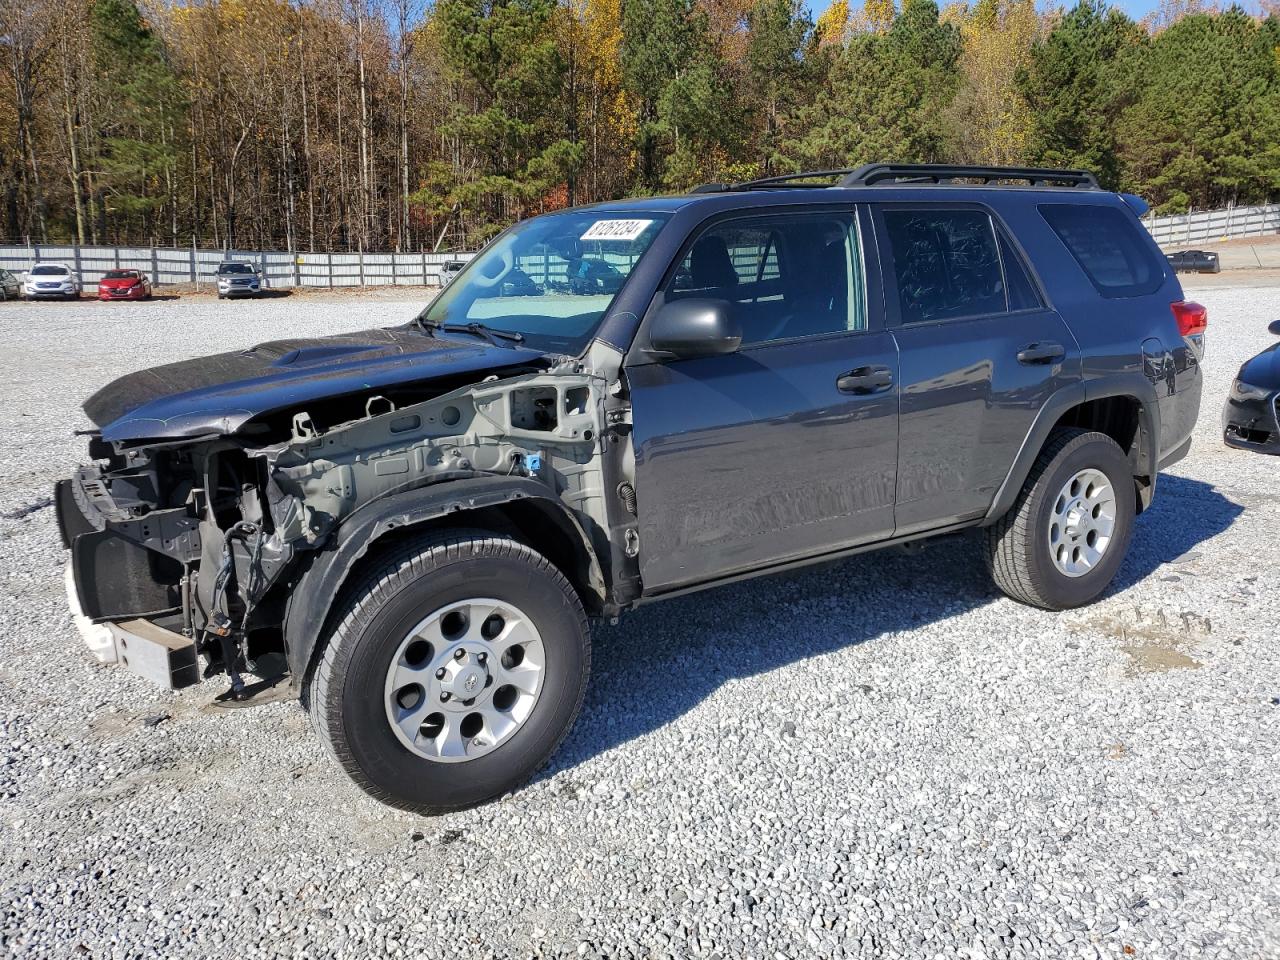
column 878, row 759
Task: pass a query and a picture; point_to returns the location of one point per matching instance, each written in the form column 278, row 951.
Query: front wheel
column 454, row 671
column 1064, row 538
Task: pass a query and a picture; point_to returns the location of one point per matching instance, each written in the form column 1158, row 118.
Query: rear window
column 1109, row 246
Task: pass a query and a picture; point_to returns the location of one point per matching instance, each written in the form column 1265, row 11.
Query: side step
column 151, row 651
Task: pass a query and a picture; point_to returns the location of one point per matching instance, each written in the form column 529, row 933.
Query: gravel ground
column 881, row 758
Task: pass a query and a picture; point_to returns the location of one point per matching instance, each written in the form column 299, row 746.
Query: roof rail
column 769, row 183
column 897, row 173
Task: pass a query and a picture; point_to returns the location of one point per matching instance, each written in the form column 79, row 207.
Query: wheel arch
column 515, row 506
column 1122, row 406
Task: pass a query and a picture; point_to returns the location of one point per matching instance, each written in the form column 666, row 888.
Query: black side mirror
column 1273, row 328
column 695, row 328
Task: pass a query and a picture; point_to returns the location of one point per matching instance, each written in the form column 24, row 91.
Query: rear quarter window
column 1109, row 246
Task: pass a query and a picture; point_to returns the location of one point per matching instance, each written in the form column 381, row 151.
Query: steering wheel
column 507, row 260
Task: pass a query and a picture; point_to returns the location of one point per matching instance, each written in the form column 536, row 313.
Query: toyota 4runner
column 410, row 528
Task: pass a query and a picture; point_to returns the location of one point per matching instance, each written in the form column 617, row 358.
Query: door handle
column 864, row 380
column 1045, row 352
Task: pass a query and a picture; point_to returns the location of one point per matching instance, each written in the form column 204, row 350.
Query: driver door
column 787, row 448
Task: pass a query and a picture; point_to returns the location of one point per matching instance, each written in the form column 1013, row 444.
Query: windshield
column 120, row 275
column 49, row 271
column 550, row 278
column 234, row 268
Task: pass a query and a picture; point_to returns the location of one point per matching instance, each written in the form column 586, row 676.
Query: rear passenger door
column 980, row 351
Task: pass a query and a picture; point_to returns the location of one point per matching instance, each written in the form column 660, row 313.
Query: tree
column 1077, row 83
column 685, row 114
column 1209, row 136
column 778, row 74
column 990, row 120
column 141, row 111
column 885, row 95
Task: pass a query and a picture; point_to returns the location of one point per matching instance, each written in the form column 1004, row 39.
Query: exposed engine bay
column 209, row 537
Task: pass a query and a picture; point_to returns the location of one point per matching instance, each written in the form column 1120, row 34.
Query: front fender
column 319, row 584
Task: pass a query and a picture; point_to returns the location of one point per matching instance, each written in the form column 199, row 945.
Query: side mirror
column 1273, row 328
column 695, row 328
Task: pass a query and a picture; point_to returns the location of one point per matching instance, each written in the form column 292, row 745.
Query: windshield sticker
column 615, row 229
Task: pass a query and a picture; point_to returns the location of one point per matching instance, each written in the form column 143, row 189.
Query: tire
column 1018, row 548
column 350, row 694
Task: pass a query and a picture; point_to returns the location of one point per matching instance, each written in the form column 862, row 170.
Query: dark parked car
column 10, row 286
column 1195, row 261
column 411, row 527
column 1250, row 418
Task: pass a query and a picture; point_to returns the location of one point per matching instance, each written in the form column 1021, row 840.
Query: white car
column 51, row 280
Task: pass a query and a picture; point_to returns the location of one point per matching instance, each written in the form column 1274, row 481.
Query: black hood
column 1264, row 369
column 218, row 394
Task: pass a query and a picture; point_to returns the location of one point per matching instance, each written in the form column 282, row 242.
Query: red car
column 124, row 285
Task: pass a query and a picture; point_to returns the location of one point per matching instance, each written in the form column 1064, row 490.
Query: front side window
column 551, row 278
column 789, row 276
column 1108, row 245
column 946, row 263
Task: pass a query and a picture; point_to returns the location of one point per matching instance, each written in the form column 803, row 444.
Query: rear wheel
column 1063, row 540
column 453, row 672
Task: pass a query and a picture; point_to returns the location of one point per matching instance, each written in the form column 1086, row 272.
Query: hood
column 1264, row 369
column 219, row 394
column 113, row 282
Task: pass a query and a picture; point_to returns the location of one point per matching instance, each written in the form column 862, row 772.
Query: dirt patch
column 1154, row 639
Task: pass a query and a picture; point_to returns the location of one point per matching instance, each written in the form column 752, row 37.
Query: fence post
column 297, row 274
column 155, row 268
column 194, row 278
column 424, row 267
column 76, row 250
column 329, row 267
column 360, row 255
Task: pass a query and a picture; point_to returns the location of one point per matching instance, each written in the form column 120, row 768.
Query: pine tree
column 1210, row 135
column 885, row 95
column 140, row 113
column 1077, row 84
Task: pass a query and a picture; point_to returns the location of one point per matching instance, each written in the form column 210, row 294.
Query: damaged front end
column 222, row 553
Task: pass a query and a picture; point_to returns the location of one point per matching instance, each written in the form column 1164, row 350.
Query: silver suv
column 51, row 280
column 236, row 278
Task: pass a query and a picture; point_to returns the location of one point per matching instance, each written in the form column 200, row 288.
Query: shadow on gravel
column 1184, row 514
column 662, row 660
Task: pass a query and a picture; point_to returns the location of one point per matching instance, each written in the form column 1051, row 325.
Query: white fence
column 1206, row 226
column 283, row 269
column 280, row 269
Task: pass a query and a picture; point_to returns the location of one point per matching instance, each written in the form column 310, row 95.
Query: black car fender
column 1145, row 456
column 315, row 591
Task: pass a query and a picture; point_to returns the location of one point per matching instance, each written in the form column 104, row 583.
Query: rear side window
column 946, row 263
column 1109, row 247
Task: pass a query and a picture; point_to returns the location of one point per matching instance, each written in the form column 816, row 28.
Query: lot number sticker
column 616, row 229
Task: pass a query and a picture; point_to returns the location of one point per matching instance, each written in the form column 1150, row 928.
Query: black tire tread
column 356, row 607
column 1007, row 541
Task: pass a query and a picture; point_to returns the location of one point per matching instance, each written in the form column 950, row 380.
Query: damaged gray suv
column 411, row 528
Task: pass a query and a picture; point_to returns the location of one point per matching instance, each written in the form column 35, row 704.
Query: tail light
column 1192, row 318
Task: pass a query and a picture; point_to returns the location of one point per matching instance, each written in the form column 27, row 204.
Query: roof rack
column 769, row 183
column 873, row 174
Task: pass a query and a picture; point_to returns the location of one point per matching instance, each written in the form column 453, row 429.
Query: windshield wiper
column 473, row 328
